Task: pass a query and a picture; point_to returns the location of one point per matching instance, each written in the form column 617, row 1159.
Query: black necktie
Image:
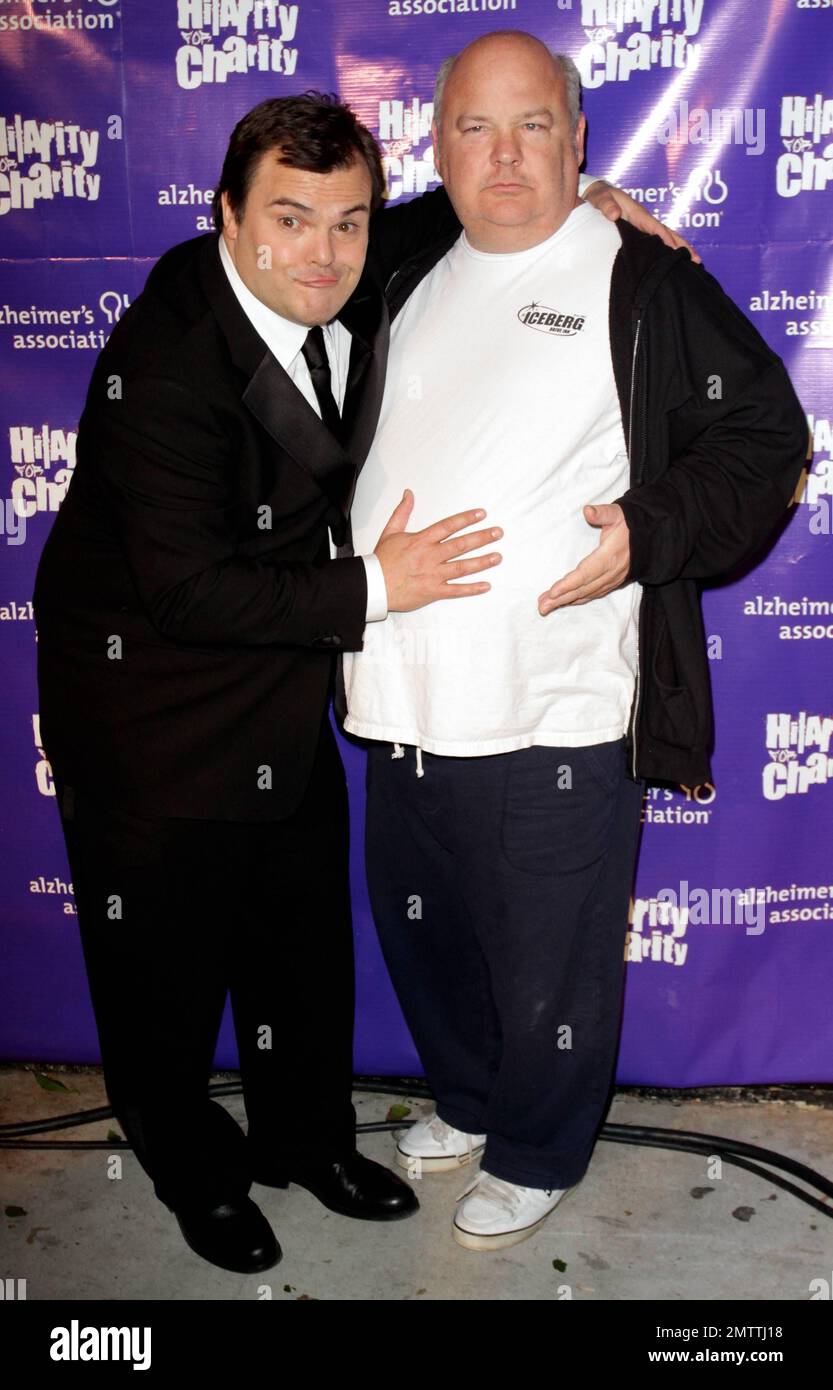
column 315, row 356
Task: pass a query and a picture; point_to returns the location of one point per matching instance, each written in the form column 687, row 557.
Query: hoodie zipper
column 639, row 616
column 638, row 477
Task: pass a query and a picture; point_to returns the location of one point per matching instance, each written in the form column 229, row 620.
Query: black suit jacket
column 187, row 608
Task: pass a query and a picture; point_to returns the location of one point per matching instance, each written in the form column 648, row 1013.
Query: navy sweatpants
column 500, row 888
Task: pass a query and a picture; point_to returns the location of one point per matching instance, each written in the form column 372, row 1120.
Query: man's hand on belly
column 599, row 572
column 419, row 565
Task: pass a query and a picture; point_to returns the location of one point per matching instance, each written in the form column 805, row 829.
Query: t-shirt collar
column 573, row 219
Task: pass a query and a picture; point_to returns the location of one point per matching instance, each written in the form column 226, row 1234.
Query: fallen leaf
column 398, row 1112
column 49, row 1083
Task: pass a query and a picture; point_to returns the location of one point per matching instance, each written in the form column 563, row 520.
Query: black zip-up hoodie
column 716, row 439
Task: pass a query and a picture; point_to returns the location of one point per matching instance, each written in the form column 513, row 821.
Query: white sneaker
column 497, row 1213
column 432, row 1146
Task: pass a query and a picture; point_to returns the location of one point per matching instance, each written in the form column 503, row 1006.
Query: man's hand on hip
column 418, row 565
column 599, row 572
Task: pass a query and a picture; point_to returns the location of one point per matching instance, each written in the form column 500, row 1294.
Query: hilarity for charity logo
column 42, row 160
column 629, row 36
column 404, row 132
column 806, row 165
column 223, row 38
column 799, row 751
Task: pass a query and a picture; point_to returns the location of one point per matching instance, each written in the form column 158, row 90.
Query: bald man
column 555, row 365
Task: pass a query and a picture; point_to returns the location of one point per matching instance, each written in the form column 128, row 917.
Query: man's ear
column 229, row 219
column 581, row 132
column 435, row 141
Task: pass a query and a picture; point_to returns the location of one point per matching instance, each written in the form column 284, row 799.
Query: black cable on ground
column 748, row 1156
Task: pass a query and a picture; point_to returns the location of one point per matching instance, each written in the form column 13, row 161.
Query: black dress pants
column 173, row 914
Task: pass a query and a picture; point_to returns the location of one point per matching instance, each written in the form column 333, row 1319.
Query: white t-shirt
column 500, row 394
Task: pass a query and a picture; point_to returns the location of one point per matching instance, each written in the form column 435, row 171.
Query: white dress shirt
column 284, row 340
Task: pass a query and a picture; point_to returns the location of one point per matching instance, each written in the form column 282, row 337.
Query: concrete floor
column 643, row 1225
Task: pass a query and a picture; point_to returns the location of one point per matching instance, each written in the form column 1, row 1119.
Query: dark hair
column 313, row 131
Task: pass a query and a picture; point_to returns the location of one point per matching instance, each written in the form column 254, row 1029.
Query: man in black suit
column 189, row 610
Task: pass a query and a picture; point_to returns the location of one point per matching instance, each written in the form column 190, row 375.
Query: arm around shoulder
column 397, row 233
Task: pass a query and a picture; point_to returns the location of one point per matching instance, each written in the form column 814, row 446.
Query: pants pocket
column 606, row 762
column 558, row 808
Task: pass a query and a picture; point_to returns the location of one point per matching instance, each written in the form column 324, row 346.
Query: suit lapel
column 365, row 315
column 282, row 410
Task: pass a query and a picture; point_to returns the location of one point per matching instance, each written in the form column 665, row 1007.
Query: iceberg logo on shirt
column 548, row 320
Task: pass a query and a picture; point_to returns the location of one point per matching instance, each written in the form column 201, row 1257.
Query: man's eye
column 474, row 127
column 533, row 125
column 348, row 226
column 286, row 219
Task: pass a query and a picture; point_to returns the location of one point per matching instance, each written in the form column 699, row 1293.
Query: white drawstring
column 399, row 752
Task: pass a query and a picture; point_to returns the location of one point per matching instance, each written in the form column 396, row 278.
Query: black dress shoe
column 355, row 1186
column 235, row 1235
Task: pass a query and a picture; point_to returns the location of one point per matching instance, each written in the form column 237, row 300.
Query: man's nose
column 321, row 251
column 506, row 148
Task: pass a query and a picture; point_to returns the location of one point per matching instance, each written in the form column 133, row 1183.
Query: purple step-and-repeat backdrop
column 718, row 115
